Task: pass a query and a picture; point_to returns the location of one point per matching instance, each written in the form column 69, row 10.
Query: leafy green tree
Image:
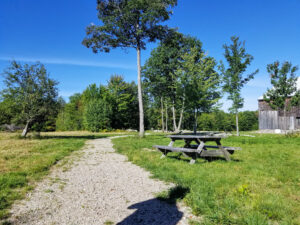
column 122, row 98
column 7, row 111
column 201, row 82
column 71, row 116
column 129, row 24
column 248, row 120
column 118, row 95
column 90, row 93
column 161, row 75
column 159, row 72
column 284, row 92
column 238, row 61
column 97, row 115
column 32, row 93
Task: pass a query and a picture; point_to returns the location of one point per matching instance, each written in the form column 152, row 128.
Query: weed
column 108, row 222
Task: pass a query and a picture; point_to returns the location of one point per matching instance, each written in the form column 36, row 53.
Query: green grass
column 25, row 161
column 261, row 185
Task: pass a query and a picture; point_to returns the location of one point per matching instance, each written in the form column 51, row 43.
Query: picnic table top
column 197, row 136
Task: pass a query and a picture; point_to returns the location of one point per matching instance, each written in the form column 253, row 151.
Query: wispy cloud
column 70, row 62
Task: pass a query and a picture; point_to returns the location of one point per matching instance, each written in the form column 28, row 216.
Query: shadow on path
column 157, row 211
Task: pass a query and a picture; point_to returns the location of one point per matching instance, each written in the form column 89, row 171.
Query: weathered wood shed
column 275, row 119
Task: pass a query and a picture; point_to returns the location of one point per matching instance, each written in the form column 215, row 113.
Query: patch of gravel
column 101, row 187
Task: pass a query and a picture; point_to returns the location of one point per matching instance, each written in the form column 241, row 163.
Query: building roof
column 297, row 84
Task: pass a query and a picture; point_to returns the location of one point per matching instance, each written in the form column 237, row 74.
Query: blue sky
column 52, row 31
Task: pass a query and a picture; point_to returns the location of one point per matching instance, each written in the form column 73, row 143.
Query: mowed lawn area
column 261, row 185
column 25, row 161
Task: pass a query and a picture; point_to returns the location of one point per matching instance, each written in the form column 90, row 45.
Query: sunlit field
column 261, row 185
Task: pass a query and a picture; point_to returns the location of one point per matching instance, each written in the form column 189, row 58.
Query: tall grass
column 261, row 185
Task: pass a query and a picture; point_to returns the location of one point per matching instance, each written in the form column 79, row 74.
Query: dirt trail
column 101, row 187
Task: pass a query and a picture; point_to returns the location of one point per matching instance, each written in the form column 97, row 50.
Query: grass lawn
column 261, row 185
column 24, row 161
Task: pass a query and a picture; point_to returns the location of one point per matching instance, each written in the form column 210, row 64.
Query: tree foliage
column 71, row 115
column 284, row 87
column 30, row 94
column 221, row 121
column 180, row 73
column 129, row 24
column 234, row 80
column 97, row 115
column 111, row 106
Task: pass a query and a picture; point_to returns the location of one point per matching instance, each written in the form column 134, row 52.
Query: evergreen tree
column 129, row 24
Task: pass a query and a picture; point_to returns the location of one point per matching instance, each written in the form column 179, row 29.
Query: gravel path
column 101, row 187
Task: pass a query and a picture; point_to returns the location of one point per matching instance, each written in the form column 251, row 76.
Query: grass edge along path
column 23, row 162
column 259, row 186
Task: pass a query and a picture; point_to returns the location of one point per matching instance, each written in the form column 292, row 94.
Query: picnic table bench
column 200, row 149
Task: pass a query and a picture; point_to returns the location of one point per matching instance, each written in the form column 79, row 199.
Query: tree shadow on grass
column 211, row 159
column 158, row 211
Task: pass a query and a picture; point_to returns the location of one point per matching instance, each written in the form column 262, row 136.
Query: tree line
column 31, row 99
column 103, row 107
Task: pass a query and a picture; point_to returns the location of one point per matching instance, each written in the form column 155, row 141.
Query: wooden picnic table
column 200, row 148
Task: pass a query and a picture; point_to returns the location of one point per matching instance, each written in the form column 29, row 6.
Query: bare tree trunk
column 181, row 116
column 237, row 124
column 25, row 131
column 174, row 117
column 195, row 122
column 140, row 95
column 166, row 117
column 162, row 115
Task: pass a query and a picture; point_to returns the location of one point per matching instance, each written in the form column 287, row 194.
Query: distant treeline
column 115, row 106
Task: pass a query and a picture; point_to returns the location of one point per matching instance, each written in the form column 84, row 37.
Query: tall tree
column 284, row 92
column 161, row 72
column 200, row 81
column 32, row 93
column 129, row 24
column 238, row 61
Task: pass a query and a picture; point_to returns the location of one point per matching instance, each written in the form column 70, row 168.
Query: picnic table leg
column 171, row 143
column 193, row 155
column 164, row 154
column 225, row 152
column 200, row 147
